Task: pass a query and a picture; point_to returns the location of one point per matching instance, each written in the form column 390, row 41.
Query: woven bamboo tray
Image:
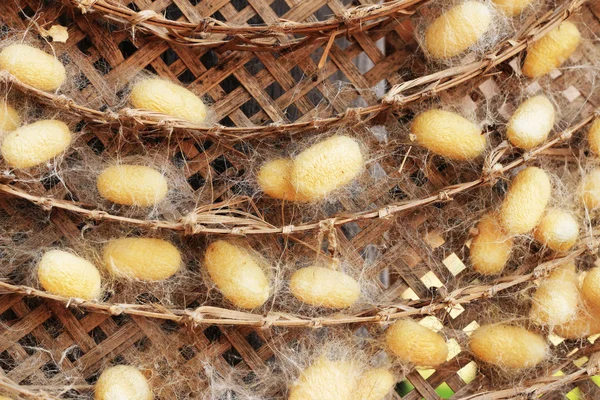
column 268, row 85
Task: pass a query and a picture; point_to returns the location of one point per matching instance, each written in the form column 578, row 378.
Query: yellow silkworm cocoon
column 448, row 134
column 512, row 7
column 558, row 230
column 491, row 248
column 594, row 137
column 508, row 346
column 33, row 67
column 35, row 144
column 274, row 179
column 237, row 274
column 132, row 185
column 416, row 344
column 324, row 287
column 551, row 50
column 531, row 123
column 374, row 384
column 325, row 167
column 168, row 98
column 590, row 290
column 457, row 29
column 5, row 398
column 589, row 190
column 68, row 275
column 583, row 325
column 122, row 382
column 525, row 201
column 146, row 259
column 556, row 300
column 9, row 118
column 325, row 380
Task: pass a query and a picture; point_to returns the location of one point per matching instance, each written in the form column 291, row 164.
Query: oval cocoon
column 122, row 382
column 589, row 190
column 33, row 66
column 556, row 300
column 491, row 248
column 237, row 274
column 583, row 325
column 325, row 380
column 448, row 134
column 65, row 274
column 324, row 287
column 512, row 7
column 146, row 259
column 531, row 123
column 9, row 118
column 274, row 179
column 525, row 201
column 551, row 50
column 325, row 167
column 132, row 185
column 558, row 230
column 374, row 385
column 36, row 143
column 590, row 290
column 457, row 29
column 416, row 344
column 168, row 98
column 508, row 346
column 594, row 137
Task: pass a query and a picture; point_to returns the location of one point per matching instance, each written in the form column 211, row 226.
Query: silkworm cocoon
column 237, row 274
column 512, row 7
column 9, row 118
column 146, row 259
column 168, row 98
column 551, row 50
column 507, row 346
column 589, row 190
column 558, row 230
column 556, row 300
column 325, row 380
column 491, row 248
column 448, row 134
column 5, row 398
column 274, row 179
column 68, row 275
column 374, row 385
column 590, row 290
column 531, row 123
column 324, row 287
column 583, row 325
column 33, row 67
column 416, row 344
column 36, row 143
column 457, row 29
column 132, row 185
column 325, row 167
column 594, row 136
column 122, row 382
column 525, row 201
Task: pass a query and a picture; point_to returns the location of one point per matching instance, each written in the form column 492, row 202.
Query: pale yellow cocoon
column 168, row 98
column 491, row 248
column 33, row 66
column 589, row 191
column 237, row 274
column 5, row 398
column 325, row 167
column 146, row 259
column 531, row 123
column 416, row 344
column 35, row 144
column 132, row 185
column 274, row 179
column 9, row 118
column 324, row 287
column 68, row 275
column 457, row 29
column 556, row 300
column 507, row 346
column 512, row 7
column 525, row 201
column 558, row 229
column 590, row 290
column 583, row 325
column 551, row 50
column 122, row 382
column 325, row 380
column 448, row 134
column 374, row 384
column 594, row 137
